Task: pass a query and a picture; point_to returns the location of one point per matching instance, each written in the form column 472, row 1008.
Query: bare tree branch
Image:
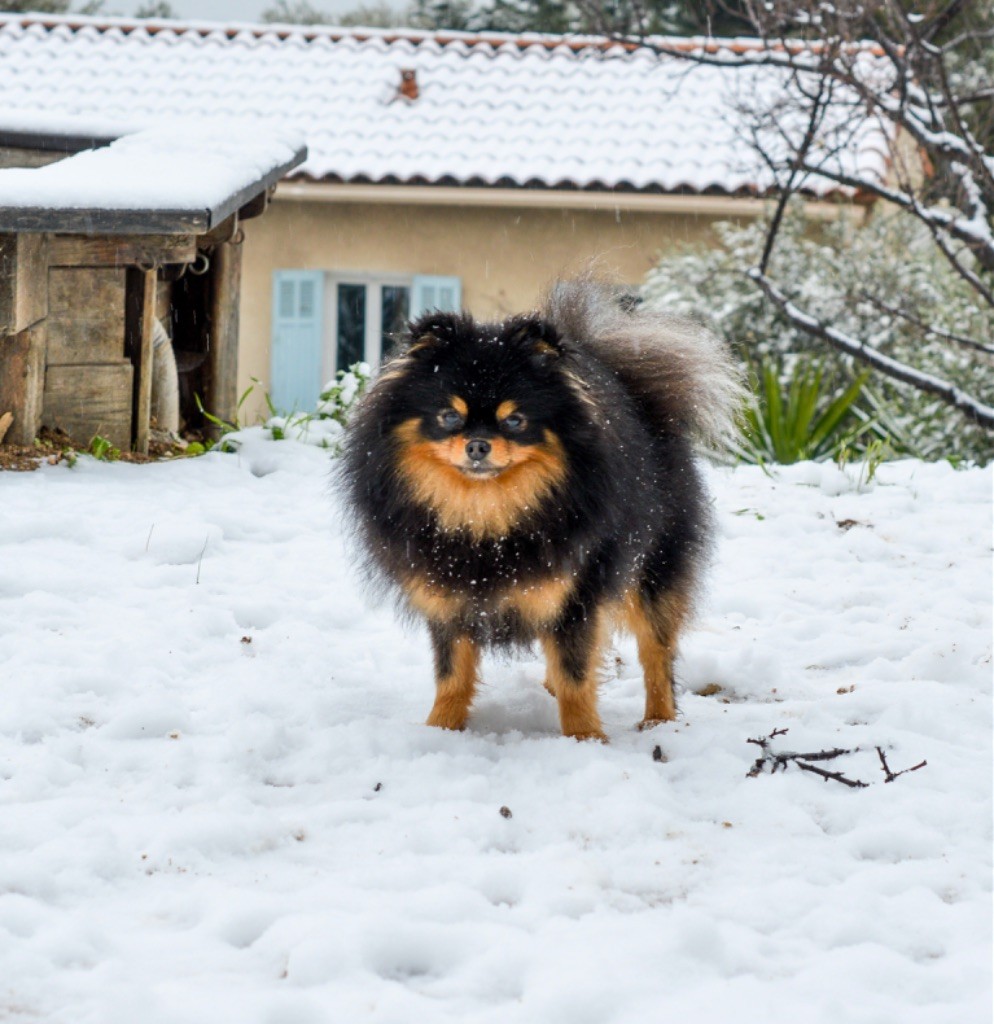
column 788, row 189
column 935, row 219
column 958, row 339
column 949, row 393
column 845, row 66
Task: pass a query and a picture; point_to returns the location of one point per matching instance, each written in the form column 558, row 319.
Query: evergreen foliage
column 454, row 15
column 49, row 7
column 295, row 12
column 614, row 17
column 158, row 9
column 883, row 282
column 372, row 15
column 559, row 17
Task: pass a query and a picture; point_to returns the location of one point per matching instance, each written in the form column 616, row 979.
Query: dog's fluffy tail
column 679, row 372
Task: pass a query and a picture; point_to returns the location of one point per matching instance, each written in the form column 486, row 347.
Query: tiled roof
column 533, row 111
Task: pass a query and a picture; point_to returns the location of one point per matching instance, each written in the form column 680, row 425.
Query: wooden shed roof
column 183, row 178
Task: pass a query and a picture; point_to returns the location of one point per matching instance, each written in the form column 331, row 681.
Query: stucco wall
column 505, row 257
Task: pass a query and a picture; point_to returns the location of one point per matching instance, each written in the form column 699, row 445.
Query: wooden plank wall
column 76, row 320
column 88, row 377
column 86, row 400
column 85, row 315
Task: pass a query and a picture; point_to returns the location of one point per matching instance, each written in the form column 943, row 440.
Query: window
column 326, row 321
column 369, row 313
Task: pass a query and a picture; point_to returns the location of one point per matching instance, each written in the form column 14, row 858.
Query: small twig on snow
column 891, row 776
column 779, row 761
column 837, row 776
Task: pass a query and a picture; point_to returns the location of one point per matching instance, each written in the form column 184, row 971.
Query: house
column 444, row 169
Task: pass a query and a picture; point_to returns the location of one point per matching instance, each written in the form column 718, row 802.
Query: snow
column 219, row 803
column 178, row 165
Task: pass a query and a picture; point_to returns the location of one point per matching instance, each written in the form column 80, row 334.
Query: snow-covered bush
column 880, row 283
column 325, row 425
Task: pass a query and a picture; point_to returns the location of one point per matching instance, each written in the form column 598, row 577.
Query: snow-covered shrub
column 325, row 425
column 879, row 283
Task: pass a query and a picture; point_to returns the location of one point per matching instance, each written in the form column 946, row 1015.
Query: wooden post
column 23, row 281
column 22, row 382
column 139, row 305
column 23, row 308
column 226, row 275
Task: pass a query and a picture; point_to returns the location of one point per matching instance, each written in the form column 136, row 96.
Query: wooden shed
column 97, row 244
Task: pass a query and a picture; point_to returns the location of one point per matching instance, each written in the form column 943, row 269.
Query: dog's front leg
column 457, row 662
column 573, row 651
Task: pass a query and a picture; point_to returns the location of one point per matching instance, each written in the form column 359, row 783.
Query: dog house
column 120, row 259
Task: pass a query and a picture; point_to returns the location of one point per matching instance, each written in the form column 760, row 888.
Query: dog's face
column 480, row 410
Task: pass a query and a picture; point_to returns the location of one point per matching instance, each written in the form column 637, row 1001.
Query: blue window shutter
column 297, row 339
column 428, row 292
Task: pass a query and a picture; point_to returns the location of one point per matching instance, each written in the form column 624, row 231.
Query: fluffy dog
column 535, row 480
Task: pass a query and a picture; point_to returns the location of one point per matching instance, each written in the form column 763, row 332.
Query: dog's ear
column 430, row 333
column 537, row 336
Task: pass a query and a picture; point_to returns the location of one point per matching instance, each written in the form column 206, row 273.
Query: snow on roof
column 190, row 175
column 492, row 109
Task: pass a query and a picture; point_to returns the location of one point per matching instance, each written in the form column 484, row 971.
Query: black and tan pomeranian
column 535, row 480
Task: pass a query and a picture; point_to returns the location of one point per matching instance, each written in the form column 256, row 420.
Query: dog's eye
column 450, row 419
column 514, row 422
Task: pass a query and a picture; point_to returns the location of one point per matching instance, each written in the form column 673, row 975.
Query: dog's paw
column 598, row 735
column 440, row 720
column 651, row 723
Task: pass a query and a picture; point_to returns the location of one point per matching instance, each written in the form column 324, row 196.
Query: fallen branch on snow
column 779, row 761
column 891, row 776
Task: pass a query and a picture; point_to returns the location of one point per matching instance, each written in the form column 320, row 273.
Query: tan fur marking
column 460, row 406
column 505, row 409
column 431, row 600
column 577, row 702
column 541, row 601
column 656, row 628
column 485, row 507
column 454, row 693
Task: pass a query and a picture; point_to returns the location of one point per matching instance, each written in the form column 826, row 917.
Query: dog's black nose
column 478, row 450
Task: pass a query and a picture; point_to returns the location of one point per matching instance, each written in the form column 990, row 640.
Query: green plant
column 101, row 448
column 325, row 426
column 876, row 453
column 805, row 417
column 224, row 427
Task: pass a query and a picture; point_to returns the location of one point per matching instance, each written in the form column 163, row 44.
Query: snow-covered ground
column 218, row 802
